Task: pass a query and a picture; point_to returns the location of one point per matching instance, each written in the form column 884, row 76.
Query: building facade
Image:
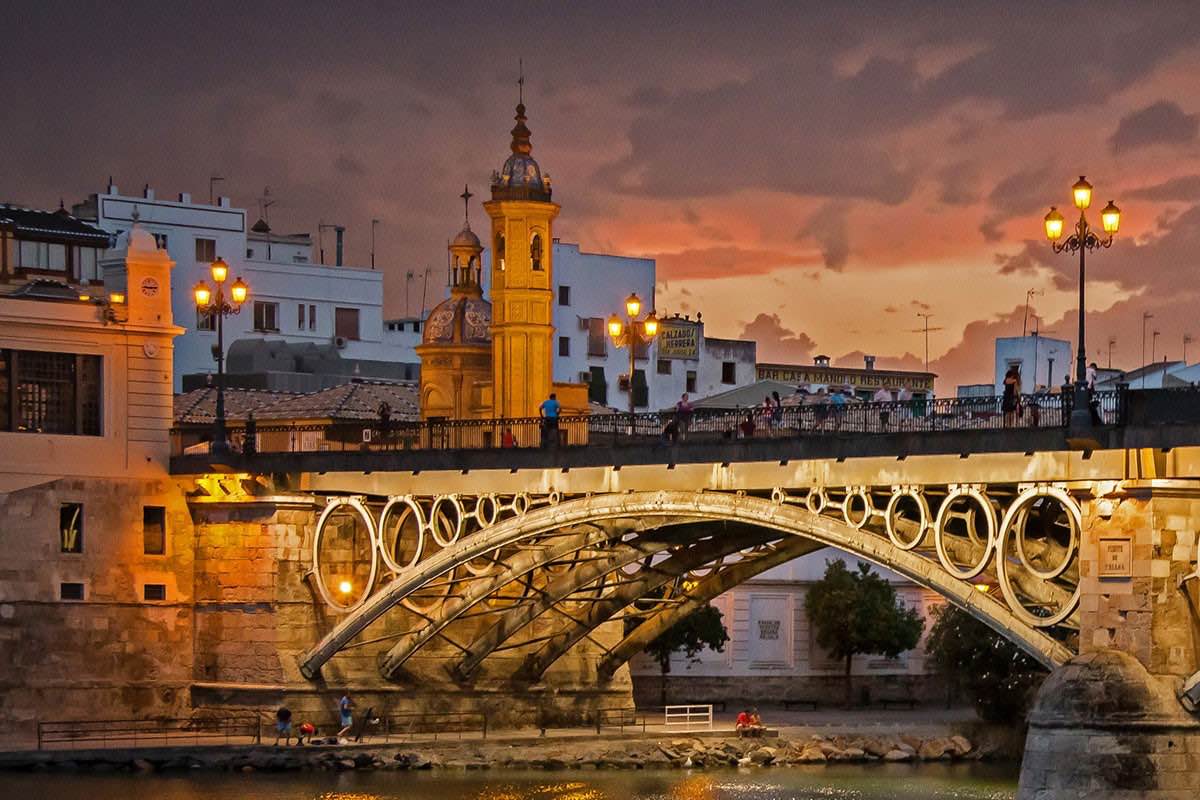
column 292, row 298
column 864, row 381
column 1044, row 363
column 773, row 656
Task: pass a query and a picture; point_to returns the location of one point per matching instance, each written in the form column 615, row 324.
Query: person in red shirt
column 749, row 723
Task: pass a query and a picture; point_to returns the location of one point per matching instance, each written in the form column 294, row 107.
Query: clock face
column 149, row 287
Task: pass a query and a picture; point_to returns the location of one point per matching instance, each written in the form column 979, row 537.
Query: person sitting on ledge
column 749, row 723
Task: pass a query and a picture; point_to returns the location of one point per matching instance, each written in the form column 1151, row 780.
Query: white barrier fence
column 688, row 718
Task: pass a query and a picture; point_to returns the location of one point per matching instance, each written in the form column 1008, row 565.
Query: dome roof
column 459, row 320
column 521, row 178
column 466, row 237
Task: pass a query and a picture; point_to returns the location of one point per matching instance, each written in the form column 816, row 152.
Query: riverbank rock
column 898, row 756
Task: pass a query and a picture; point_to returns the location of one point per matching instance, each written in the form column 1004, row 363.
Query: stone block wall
column 113, row 654
column 1149, row 614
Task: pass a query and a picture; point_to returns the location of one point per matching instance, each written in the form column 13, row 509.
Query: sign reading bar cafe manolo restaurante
column 920, row 382
column 678, row 338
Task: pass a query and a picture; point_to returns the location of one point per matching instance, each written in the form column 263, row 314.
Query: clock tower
column 522, row 280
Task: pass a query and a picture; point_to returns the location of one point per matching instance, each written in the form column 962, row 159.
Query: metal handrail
column 146, row 732
column 809, row 419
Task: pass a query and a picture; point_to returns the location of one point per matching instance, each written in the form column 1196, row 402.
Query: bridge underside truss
column 522, row 580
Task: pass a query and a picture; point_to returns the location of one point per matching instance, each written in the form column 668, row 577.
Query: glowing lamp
column 1111, row 217
column 650, row 326
column 84, row 298
column 220, row 270
column 983, row 587
column 1054, row 225
column 614, row 327
column 202, row 294
column 633, row 305
column 1082, row 192
column 239, row 291
column 345, row 586
column 116, row 298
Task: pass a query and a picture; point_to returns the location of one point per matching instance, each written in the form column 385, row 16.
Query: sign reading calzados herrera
column 678, row 339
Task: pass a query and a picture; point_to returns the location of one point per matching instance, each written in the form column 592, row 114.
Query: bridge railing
column 811, row 418
column 93, row 733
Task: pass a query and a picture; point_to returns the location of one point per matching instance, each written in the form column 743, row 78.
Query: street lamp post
column 219, row 306
column 630, row 333
column 1081, row 241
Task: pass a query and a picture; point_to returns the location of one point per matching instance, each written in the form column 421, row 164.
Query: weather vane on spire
column 521, row 81
column 466, row 198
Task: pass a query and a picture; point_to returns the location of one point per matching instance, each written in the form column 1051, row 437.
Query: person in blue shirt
column 549, row 412
column 344, row 712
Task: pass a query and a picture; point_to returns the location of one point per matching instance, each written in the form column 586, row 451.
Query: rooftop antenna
column 521, row 81
column 925, row 330
column 323, row 226
column 1112, row 342
column 212, row 181
column 1187, row 339
column 1029, row 293
column 374, row 222
column 264, row 208
column 1146, row 317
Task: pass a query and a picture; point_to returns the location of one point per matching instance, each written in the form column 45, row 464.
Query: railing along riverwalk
column 105, row 733
column 812, row 418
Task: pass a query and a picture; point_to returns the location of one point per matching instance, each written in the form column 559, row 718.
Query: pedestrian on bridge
column 683, row 416
column 549, row 410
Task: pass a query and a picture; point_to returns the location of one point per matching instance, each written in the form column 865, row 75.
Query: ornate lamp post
column 1081, row 241
column 631, row 333
column 216, row 304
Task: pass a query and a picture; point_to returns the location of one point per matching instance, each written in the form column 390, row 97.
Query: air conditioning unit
column 339, row 342
column 585, row 377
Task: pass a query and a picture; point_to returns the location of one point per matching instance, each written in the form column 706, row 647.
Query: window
column 312, row 317
column 86, row 264
column 345, row 323
column 416, row 327
column 535, row 252
column 598, row 386
column 70, row 528
column 49, row 392
column 266, row 316
column 564, row 346
column 154, row 530
column 597, row 337
column 564, row 295
column 500, row 251
column 728, row 372
column 206, row 250
column 300, row 317
column 70, row 591
column 154, row 591
column 249, row 253
column 664, row 366
column 160, row 240
column 205, row 320
column 43, row 256
column 690, row 386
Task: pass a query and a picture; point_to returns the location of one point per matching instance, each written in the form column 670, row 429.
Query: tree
column 998, row 677
column 698, row 630
column 858, row 613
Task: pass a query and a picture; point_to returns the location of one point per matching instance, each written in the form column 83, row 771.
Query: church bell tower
column 522, row 280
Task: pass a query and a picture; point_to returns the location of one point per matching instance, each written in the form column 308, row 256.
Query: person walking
column 1010, row 401
column 683, row 416
column 345, row 716
column 549, row 411
column 904, row 399
column 883, row 396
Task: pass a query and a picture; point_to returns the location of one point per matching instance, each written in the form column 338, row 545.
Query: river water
column 872, row 782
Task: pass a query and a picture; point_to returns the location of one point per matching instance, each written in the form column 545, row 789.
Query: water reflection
column 836, row 782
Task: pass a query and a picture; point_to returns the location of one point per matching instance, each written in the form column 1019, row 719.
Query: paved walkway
column 789, row 725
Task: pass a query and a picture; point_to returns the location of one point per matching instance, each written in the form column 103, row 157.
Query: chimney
column 147, row 192
column 869, row 361
column 340, row 230
column 112, row 187
column 223, row 202
column 185, row 198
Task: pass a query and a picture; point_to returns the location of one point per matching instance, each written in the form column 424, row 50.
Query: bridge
column 430, row 558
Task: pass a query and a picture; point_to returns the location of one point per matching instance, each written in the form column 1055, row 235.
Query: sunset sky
column 812, row 176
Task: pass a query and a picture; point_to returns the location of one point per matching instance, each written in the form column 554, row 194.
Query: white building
column 1042, row 361
column 292, row 298
column 772, row 654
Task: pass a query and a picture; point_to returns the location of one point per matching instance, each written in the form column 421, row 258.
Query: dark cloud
column 722, row 262
column 827, row 226
column 958, row 184
column 777, row 343
column 1184, row 188
column 1163, row 122
column 348, row 165
column 1021, row 194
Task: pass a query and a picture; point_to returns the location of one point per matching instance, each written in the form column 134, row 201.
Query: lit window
column 70, row 528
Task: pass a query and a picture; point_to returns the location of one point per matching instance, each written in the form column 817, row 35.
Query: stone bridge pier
column 1109, row 723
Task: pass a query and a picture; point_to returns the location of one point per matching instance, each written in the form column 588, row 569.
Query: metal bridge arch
column 649, row 510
